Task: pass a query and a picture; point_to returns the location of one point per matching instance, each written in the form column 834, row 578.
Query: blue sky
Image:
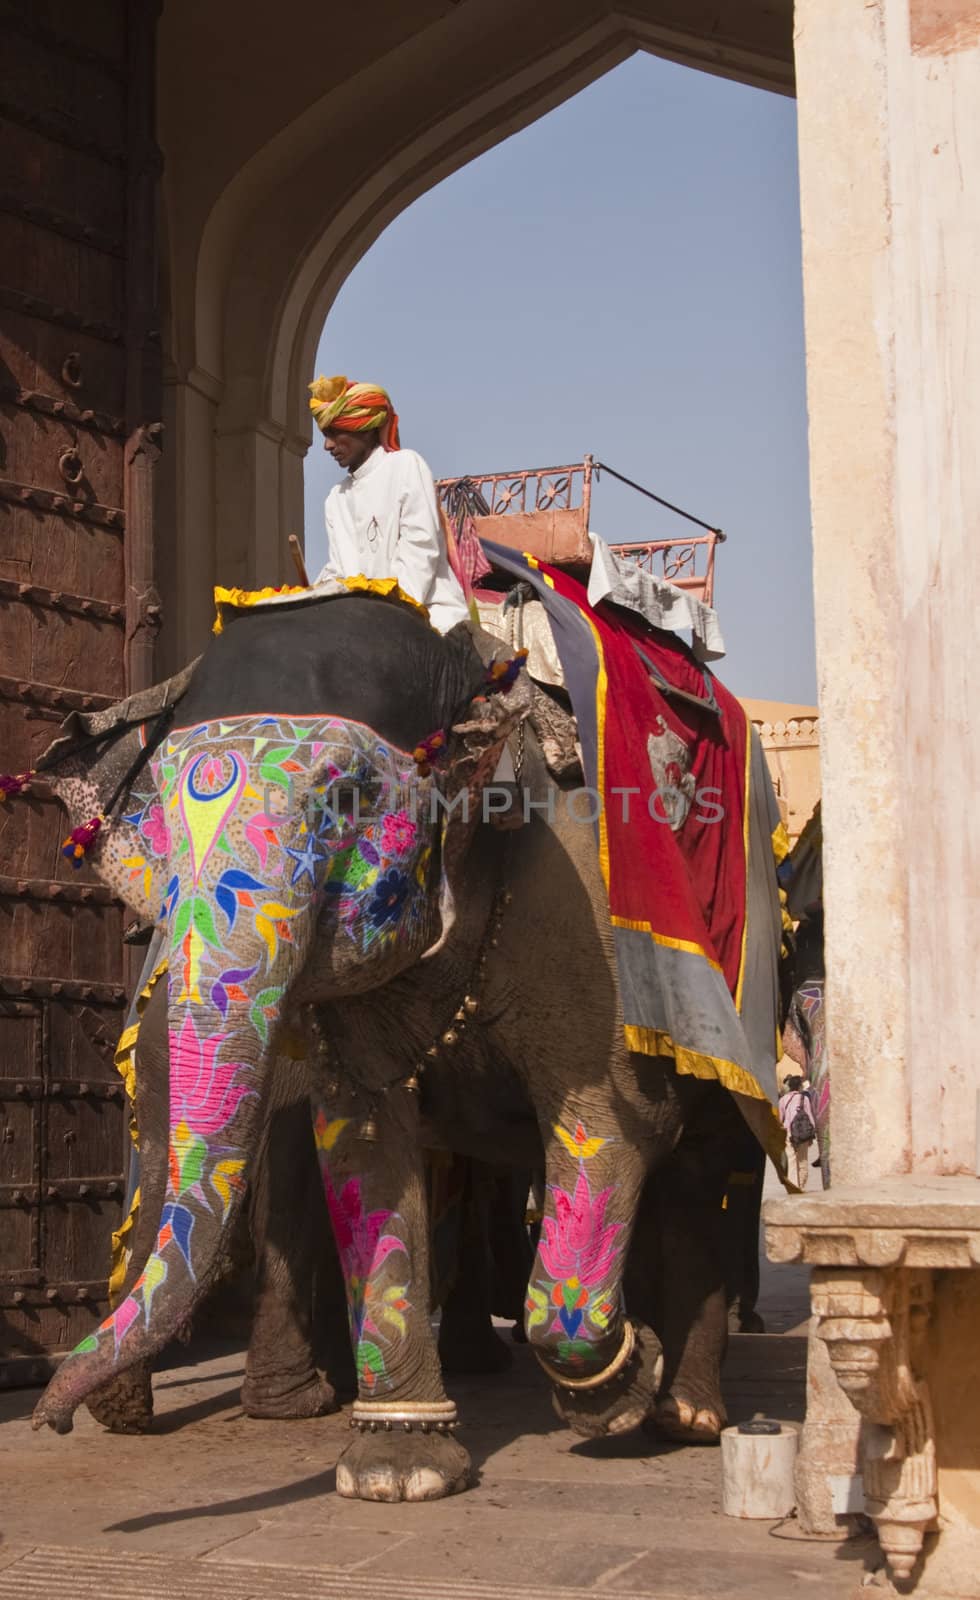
column 621, row 278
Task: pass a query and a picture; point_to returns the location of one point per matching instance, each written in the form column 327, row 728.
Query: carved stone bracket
column 875, row 1252
column 872, row 1323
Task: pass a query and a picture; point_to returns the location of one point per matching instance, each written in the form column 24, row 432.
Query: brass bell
column 471, row 1005
column 369, row 1131
column 432, row 1054
column 450, row 1037
column 461, row 1014
column 412, row 1085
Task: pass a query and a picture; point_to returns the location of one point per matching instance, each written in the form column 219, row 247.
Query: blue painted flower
column 235, row 889
column 307, row 858
column 390, row 894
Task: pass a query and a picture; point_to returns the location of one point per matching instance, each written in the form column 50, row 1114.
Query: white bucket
column 757, row 1460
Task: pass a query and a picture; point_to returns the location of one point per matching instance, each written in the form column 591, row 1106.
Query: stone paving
column 213, row 1503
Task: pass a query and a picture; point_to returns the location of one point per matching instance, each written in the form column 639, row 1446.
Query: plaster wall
column 890, row 198
column 935, row 158
column 794, row 765
column 791, row 740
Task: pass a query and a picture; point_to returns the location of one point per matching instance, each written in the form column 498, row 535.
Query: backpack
column 801, row 1129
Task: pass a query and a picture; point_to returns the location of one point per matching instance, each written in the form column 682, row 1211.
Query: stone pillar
column 845, row 207
column 259, row 470
column 291, row 488
column 889, row 125
column 890, row 198
column 230, row 492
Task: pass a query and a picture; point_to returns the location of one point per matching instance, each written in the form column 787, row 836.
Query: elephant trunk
column 215, row 1100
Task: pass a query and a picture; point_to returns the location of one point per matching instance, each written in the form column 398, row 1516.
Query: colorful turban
column 354, row 407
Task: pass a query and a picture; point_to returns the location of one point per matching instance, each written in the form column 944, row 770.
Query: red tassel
column 427, row 751
column 80, row 841
column 502, row 675
column 12, row 783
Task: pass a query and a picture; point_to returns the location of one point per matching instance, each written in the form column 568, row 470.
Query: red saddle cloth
column 667, row 752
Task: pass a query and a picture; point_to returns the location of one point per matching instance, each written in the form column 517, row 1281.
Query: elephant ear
column 476, row 747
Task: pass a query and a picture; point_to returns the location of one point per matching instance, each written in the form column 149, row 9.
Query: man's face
column 350, row 450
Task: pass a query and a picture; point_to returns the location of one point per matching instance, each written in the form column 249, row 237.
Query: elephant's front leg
column 402, row 1445
column 605, row 1368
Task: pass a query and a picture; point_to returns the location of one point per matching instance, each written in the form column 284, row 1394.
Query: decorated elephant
column 308, row 815
column 299, row 1359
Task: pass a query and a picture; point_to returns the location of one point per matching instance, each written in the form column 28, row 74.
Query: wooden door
column 79, row 395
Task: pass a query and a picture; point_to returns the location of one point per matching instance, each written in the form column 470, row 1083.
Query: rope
column 709, row 527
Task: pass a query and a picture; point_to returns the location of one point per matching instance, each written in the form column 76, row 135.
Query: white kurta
column 383, row 522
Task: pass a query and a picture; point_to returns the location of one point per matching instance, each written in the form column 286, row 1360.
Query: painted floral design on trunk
column 376, row 1307
column 239, row 825
column 579, row 1252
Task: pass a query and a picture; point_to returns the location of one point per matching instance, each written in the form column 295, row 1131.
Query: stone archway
column 296, row 216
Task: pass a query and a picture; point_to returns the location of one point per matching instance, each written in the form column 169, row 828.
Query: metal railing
column 687, row 562
column 534, row 489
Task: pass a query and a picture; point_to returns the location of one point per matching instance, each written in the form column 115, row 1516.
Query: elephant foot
column 125, row 1403
column 623, row 1403
column 271, row 1402
column 684, row 1422
column 476, row 1349
column 402, row 1466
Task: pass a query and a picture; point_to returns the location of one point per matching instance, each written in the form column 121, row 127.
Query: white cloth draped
column 664, row 605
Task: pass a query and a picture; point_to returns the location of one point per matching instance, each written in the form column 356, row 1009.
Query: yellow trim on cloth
column 745, row 861
column 124, row 1059
column 125, row 1064
column 241, row 599
column 121, row 1252
column 388, row 588
column 693, row 1063
column 664, row 939
column 780, row 842
column 780, row 850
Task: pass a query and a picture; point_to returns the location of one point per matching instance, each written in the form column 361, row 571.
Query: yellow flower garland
column 241, row 599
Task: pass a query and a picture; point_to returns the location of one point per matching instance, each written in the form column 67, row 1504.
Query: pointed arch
column 300, row 213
